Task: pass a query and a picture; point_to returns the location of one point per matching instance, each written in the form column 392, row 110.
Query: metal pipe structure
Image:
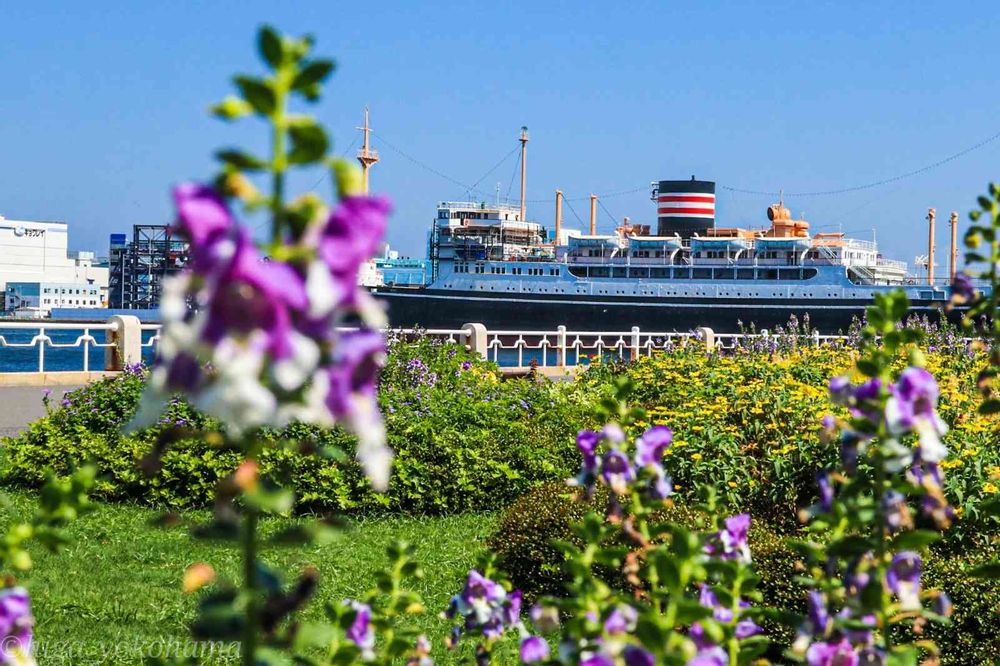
column 524, row 167
column 954, row 244
column 559, row 197
column 593, row 214
column 931, row 214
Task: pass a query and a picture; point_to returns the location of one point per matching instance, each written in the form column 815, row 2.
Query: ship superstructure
column 490, row 266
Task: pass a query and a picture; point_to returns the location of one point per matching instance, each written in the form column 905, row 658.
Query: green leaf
column 312, row 74
column 240, row 160
column 903, row 656
column 309, row 143
column 915, row 540
column 850, row 545
column 867, row 367
column 231, row 108
column 269, row 44
column 990, row 571
column 258, row 93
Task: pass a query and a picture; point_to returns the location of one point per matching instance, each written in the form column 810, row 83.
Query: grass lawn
column 113, row 596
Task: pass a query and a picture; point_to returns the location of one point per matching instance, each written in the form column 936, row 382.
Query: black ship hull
column 441, row 308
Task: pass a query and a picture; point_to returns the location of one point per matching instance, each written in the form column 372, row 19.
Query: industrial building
column 139, row 267
column 35, row 256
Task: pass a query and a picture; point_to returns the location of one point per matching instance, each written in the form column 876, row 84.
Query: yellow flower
column 990, row 488
column 733, row 484
column 695, row 456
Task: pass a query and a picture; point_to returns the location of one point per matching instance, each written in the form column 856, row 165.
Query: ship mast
column 366, row 156
column 524, row 166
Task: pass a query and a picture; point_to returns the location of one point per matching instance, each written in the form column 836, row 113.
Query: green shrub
column 523, row 536
column 465, row 440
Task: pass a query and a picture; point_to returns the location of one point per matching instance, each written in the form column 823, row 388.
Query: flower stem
column 249, row 646
column 279, row 160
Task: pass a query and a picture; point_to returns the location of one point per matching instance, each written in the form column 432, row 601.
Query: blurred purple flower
column 651, row 445
column 840, row 653
column 903, row 579
column 534, row 649
column 16, row 625
column 360, row 632
column 637, row 656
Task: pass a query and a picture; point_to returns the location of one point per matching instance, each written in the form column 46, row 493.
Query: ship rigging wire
column 728, row 188
column 614, row 220
column 877, row 183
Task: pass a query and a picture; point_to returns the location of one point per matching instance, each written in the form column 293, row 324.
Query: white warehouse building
column 38, row 252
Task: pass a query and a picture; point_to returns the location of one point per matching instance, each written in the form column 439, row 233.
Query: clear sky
column 102, row 105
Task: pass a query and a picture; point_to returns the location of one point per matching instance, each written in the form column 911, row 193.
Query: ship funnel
column 685, row 207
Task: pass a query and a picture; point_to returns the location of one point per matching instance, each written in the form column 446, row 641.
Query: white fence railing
column 127, row 341
column 41, row 340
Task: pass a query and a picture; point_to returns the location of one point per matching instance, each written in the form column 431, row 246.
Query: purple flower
column 616, row 470
column 733, row 539
column 962, row 289
column 651, row 445
column 534, row 648
column 825, row 491
column 350, row 236
column 942, row 605
column 16, row 624
column 360, row 632
column 818, row 618
column 711, row 656
column 840, row 653
column 586, row 443
column 637, row 656
column 913, row 407
column 746, row 628
column 660, row 485
column 202, row 217
column 597, row 659
column 512, row 609
column 897, row 514
column 466, row 365
column 621, row 620
column 545, row 618
column 613, row 433
column 903, row 579
column 840, row 389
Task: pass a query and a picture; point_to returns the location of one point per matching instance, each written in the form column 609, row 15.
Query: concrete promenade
column 20, row 405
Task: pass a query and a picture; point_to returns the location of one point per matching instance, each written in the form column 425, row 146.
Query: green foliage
column 525, row 533
column 465, row 440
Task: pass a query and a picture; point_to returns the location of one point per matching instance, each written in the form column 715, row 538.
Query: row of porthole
column 669, row 293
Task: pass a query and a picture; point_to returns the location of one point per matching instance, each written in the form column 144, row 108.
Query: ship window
column 702, row 274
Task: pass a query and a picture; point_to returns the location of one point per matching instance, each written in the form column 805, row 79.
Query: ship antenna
column 366, row 156
column 524, row 166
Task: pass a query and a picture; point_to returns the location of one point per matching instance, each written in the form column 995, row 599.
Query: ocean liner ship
column 490, row 265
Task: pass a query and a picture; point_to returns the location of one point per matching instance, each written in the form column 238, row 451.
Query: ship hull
column 439, row 308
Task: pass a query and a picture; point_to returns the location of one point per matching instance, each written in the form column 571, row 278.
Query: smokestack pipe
column 593, row 214
column 931, row 214
column 954, row 243
column 559, row 196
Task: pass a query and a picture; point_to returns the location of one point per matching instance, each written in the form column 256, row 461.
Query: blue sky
column 102, row 105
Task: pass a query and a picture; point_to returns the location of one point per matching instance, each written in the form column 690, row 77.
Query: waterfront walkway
column 20, row 405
